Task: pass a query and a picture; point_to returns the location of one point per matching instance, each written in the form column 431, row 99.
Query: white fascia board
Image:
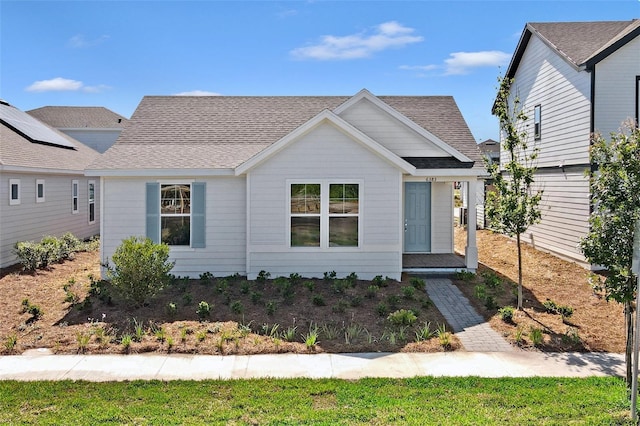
column 158, row 172
column 339, row 123
column 20, row 169
column 365, row 94
column 479, row 173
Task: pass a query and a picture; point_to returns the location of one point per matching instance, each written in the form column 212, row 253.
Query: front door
column 417, row 217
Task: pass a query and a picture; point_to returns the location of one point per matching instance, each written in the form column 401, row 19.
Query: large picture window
column 324, row 214
column 175, row 214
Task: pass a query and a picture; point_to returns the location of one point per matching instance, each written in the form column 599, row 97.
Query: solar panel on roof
column 31, row 128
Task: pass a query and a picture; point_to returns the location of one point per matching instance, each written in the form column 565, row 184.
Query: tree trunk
column 628, row 319
column 519, row 273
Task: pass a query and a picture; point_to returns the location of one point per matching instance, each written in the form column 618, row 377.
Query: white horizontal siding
column 30, row 221
column 224, row 254
column 389, row 132
column 615, row 97
column 544, row 78
column 100, row 140
column 325, row 153
column 442, row 217
column 565, row 213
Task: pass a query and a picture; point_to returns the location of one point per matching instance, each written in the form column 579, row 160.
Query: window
column 305, row 215
column 74, row 196
column 92, row 201
column 14, row 192
column 324, row 214
column 537, row 122
column 39, row 190
column 175, row 214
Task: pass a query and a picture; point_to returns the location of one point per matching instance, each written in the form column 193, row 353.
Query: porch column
column 471, row 251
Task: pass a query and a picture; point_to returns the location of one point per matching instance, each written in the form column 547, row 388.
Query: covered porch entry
column 428, row 226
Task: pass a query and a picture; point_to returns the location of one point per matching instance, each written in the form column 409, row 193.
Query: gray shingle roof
column 489, row 146
column 224, row 131
column 18, row 151
column 577, row 42
column 76, row 117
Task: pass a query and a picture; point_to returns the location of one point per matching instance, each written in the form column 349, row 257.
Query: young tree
column 513, row 205
column 615, row 191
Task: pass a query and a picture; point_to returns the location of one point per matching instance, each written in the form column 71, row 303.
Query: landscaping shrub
column 49, row 250
column 506, row 313
column 141, row 269
column 29, row 254
column 402, row 317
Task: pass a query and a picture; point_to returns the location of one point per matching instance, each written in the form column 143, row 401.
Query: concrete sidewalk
column 35, row 365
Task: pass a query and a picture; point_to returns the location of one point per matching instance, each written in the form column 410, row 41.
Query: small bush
column 187, row 298
column 340, row 307
column 10, row 342
column 490, row 303
column 295, row 278
column 506, row 313
column 372, row 291
column 271, row 307
column 402, row 317
column 536, row 336
column 424, row 333
column 444, row 337
column 553, row 308
column 351, row 279
column 330, row 276
column 172, row 309
column 318, row 300
column 30, row 254
column 465, row 276
column 382, row 309
column 237, row 307
column 203, row 311
column 480, row 291
column 310, row 285
column 408, row 292
column 417, row 283
column 141, row 269
column 491, row 280
column 206, row 278
column 256, row 297
column 245, row 287
column 263, row 276
column 379, row 281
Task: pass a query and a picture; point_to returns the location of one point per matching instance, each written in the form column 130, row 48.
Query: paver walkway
column 474, row 332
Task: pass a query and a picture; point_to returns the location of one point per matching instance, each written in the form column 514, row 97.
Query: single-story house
column 43, row 189
column 290, row 184
column 96, row 127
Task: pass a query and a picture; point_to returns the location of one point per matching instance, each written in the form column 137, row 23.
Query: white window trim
column 38, row 183
column 75, row 192
column 324, row 212
column 91, row 201
column 14, row 202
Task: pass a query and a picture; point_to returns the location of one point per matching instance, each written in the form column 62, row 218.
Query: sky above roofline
column 112, row 53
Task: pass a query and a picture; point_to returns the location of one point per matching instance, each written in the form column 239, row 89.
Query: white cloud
column 362, row 45
column 57, row 84
column 60, row 84
column 197, row 93
column 79, row 41
column 462, row 62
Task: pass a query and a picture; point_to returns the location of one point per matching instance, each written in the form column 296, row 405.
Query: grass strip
column 419, row 401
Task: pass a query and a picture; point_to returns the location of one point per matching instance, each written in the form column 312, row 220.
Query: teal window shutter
column 198, row 214
column 153, row 211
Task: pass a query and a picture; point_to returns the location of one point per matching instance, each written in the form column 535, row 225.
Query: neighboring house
column 96, row 127
column 300, row 184
column 573, row 79
column 490, row 149
column 43, row 190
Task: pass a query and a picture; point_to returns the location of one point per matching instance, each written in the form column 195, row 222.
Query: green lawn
column 444, row 401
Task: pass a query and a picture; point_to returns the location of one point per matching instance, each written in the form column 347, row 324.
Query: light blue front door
column 417, row 217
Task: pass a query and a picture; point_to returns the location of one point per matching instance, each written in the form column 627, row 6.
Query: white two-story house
column 573, row 79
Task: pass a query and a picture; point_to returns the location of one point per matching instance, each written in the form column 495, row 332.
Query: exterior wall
column 565, row 213
column 224, row 254
column 100, row 140
column 543, row 78
column 30, row 221
column 325, row 153
column 615, row 88
column 389, row 132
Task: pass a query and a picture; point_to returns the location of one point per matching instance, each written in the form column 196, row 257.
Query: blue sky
column 112, row 53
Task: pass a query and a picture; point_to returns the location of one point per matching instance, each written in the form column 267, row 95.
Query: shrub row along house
column 573, row 79
column 296, row 184
column 43, row 188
